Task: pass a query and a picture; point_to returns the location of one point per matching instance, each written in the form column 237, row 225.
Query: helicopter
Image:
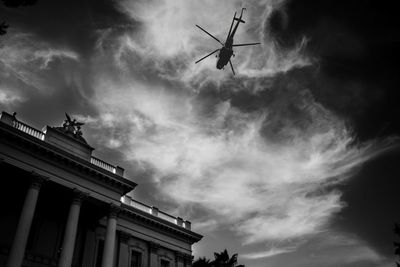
column 226, row 52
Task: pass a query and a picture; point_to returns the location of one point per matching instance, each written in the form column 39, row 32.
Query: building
column 61, row 206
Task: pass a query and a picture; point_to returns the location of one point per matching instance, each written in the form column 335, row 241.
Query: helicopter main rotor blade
column 246, row 44
column 230, row 63
column 206, row 56
column 212, row 36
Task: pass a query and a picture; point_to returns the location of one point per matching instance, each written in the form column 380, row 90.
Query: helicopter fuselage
column 226, row 52
column 224, row 56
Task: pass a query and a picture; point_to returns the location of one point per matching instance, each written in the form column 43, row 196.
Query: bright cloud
column 266, row 254
column 168, row 32
column 266, row 174
column 8, row 97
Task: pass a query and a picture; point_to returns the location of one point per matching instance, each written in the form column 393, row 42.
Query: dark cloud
column 73, row 24
column 356, row 44
column 373, row 196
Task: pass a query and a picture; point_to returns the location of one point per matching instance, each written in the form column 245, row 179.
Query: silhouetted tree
column 223, row 260
column 397, row 244
column 13, row 4
column 202, row 262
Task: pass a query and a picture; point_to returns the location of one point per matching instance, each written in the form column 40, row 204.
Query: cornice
column 63, row 159
column 158, row 224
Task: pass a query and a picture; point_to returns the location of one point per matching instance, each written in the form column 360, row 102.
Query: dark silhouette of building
column 61, row 206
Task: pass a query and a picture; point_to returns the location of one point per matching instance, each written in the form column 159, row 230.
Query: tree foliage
column 201, row 262
column 220, row 260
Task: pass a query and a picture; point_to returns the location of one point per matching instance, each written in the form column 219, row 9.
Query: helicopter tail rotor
column 240, row 18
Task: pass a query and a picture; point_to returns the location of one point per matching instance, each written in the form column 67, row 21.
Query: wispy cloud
column 25, row 64
column 265, row 254
column 168, row 32
column 9, row 97
column 335, row 248
column 268, row 174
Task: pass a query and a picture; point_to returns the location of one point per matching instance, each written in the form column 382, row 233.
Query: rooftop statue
column 73, row 127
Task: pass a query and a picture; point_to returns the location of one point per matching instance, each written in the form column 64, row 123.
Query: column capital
column 188, row 257
column 153, row 247
column 78, row 196
column 179, row 256
column 37, row 180
column 113, row 211
column 124, row 236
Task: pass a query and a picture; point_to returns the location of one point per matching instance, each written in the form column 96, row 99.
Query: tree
column 202, row 262
column 13, row 4
column 397, row 244
column 223, row 260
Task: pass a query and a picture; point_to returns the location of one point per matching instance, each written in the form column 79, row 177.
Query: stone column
column 109, row 243
column 153, row 249
column 68, row 244
column 24, row 224
column 179, row 259
column 123, row 249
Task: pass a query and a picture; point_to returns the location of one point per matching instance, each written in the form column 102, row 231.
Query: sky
column 292, row 162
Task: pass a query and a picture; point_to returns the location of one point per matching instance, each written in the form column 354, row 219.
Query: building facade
column 61, row 206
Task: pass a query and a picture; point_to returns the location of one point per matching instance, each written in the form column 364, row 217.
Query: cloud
column 342, row 248
column 169, row 37
column 268, row 174
column 25, row 64
column 8, row 97
column 266, row 254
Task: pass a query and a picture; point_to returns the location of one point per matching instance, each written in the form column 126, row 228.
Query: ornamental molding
column 157, row 224
column 37, row 180
column 113, row 211
column 55, row 156
column 124, row 237
column 179, row 256
column 153, row 247
column 78, row 196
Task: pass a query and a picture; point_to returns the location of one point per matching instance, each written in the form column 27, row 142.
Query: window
column 136, row 259
column 100, row 248
column 164, row 263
